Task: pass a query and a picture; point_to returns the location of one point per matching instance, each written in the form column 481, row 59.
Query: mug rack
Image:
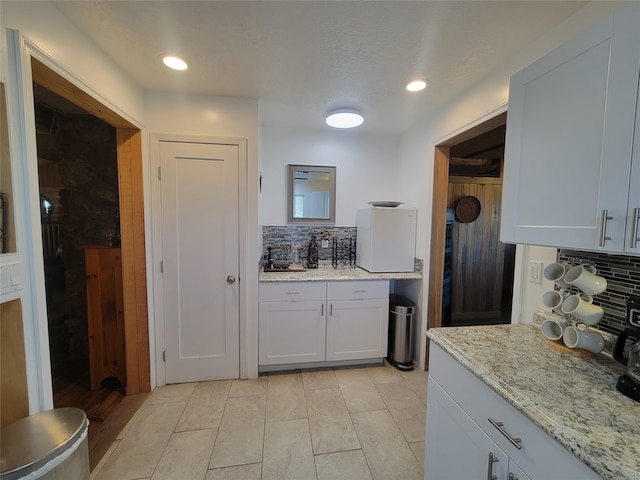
column 565, row 333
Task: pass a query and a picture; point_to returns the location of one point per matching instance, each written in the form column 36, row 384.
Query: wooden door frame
column 439, row 211
column 132, row 229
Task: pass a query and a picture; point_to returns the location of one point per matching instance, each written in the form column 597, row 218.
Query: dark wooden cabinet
column 105, row 312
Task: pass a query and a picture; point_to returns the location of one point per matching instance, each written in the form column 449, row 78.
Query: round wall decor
column 467, row 209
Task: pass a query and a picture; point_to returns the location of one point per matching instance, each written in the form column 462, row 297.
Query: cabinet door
column 357, row 329
column 291, row 332
column 632, row 238
column 569, row 140
column 516, row 473
column 105, row 315
column 455, row 447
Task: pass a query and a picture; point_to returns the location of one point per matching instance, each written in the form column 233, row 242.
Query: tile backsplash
column 285, row 240
column 623, row 279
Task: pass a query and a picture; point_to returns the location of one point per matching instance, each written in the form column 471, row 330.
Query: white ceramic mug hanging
column 584, row 277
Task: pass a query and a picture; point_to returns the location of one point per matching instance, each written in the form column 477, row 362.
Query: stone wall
column 86, row 159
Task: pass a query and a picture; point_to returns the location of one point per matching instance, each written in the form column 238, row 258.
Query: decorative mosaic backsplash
column 623, row 279
column 286, row 241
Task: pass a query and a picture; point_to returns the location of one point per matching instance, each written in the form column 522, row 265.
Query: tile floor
column 355, row 423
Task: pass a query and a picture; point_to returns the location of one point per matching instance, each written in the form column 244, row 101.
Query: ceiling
column 302, row 59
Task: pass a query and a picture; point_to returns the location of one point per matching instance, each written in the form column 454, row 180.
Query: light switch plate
column 535, row 271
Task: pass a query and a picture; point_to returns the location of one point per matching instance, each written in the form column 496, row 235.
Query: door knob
column 231, row 279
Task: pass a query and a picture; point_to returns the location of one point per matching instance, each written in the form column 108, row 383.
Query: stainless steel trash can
column 400, row 348
column 51, row 445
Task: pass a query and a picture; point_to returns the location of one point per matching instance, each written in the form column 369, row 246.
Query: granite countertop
column 572, row 399
column 328, row 273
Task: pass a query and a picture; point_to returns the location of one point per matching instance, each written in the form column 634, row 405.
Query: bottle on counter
column 312, row 254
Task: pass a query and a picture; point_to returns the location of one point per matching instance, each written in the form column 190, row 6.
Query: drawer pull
column 514, row 441
column 492, row 460
column 635, row 222
column 603, row 229
column 359, row 291
column 293, row 293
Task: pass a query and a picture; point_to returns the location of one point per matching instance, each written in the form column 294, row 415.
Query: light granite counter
column 327, row 273
column 572, row 399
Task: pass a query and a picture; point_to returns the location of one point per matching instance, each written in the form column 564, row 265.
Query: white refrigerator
column 386, row 239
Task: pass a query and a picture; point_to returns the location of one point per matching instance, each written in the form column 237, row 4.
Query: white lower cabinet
column 357, row 325
column 292, row 324
column 456, row 448
column 303, row 322
column 467, row 422
column 291, row 332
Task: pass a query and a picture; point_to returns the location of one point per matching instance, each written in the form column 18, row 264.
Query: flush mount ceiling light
column 344, row 119
column 416, row 85
column 175, row 62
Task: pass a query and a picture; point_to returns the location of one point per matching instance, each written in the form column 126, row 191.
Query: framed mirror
column 311, row 196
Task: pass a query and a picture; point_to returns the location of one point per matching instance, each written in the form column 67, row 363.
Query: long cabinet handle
column 514, row 441
column 322, row 310
column 512, row 476
column 635, row 227
column 331, row 309
column 492, row 460
column 603, row 227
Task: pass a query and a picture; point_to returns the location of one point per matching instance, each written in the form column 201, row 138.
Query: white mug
column 554, row 329
column 556, row 272
column 554, row 298
column 584, row 277
column 581, row 307
column 586, row 339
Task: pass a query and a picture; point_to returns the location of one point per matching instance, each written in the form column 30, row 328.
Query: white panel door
column 291, row 332
column 569, row 138
column 357, row 329
column 455, row 447
column 632, row 238
column 199, row 188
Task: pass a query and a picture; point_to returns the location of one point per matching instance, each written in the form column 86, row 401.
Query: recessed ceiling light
column 416, row 85
column 344, row 119
column 174, row 62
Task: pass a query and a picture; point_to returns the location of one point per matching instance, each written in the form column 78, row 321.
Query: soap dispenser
column 312, row 254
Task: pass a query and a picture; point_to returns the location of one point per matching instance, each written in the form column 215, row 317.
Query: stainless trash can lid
column 399, row 309
column 31, row 442
column 401, row 305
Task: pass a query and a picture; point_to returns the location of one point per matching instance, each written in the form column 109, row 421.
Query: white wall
column 484, row 100
column 527, row 295
column 366, row 169
column 214, row 118
column 45, row 26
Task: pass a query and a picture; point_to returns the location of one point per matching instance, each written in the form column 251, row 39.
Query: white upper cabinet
column 632, row 237
column 569, row 143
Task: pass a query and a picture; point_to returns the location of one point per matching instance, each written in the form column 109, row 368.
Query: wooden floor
column 108, row 410
column 103, row 435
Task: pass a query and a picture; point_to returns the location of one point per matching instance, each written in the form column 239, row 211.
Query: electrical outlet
column 325, row 243
column 535, row 271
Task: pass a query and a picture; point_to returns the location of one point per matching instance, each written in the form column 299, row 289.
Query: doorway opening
column 79, row 210
column 480, row 287
column 128, row 152
column 481, row 266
